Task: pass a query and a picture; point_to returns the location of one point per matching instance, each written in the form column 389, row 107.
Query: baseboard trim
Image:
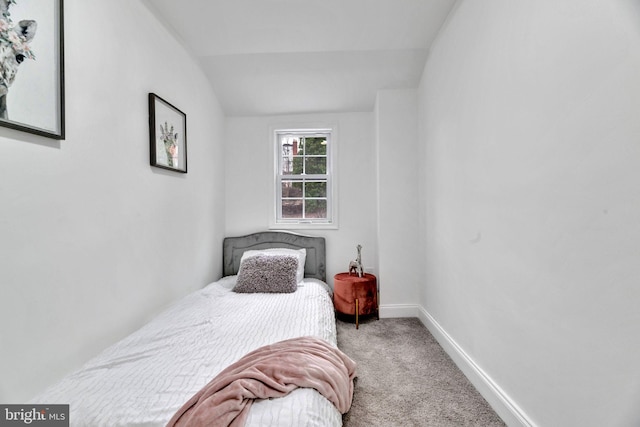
column 399, row 310
column 506, row 408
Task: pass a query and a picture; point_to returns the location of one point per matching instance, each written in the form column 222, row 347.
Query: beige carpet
column 406, row 379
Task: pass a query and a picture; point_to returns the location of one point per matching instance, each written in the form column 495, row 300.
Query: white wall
column 397, row 147
column 249, row 183
column 94, row 241
column 529, row 113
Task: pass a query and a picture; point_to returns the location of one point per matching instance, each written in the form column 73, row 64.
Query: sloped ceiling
column 268, row 57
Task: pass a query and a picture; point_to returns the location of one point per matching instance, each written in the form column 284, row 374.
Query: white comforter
column 146, row 377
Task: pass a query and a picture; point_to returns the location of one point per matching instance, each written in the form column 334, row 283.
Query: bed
column 145, row 378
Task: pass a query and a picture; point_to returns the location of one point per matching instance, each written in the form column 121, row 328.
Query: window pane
column 315, row 189
column 291, row 189
column 292, row 208
column 296, row 166
column 315, row 146
column 287, row 166
column 286, row 146
column 289, row 151
column 316, row 165
column 316, row 208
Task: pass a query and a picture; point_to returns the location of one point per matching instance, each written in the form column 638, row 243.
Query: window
column 304, row 179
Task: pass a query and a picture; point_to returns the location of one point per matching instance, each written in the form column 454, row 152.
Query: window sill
column 303, row 226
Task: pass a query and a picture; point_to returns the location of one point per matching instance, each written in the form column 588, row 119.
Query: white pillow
column 301, row 254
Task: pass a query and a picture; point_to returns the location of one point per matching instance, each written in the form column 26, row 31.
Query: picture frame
column 167, row 135
column 32, row 37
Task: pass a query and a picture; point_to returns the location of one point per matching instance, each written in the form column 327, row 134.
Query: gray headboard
column 234, row 247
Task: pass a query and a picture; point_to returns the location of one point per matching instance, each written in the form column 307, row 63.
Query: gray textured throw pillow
column 268, row 274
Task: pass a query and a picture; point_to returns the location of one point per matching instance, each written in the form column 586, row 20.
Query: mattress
column 145, row 378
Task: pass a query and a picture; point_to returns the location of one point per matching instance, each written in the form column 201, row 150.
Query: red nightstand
column 355, row 295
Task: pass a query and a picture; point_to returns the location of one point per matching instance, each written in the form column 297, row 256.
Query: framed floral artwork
column 168, row 135
column 32, row 67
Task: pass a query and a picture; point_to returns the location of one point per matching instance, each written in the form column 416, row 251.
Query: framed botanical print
column 32, row 66
column 167, row 135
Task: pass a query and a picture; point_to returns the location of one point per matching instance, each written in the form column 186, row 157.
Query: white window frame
column 331, row 222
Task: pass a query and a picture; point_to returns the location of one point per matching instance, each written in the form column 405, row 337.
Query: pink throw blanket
column 270, row 371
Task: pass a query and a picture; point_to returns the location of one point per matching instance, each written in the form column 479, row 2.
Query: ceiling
column 267, row 57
